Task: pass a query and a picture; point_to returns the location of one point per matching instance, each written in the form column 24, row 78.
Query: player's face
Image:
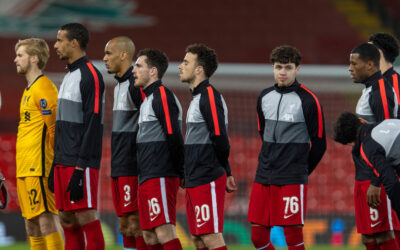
column 187, row 68
column 285, row 73
column 141, row 72
column 62, row 45
column 357, row 68
column 112, row 57
column 22, row 61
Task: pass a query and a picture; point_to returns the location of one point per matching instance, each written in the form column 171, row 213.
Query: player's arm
column 382, row 101
column 314, row 118
column 167, row 112
column 260, row 118
column 46, row 101
column 212, row 110
column 136, row 93
column 92, row 90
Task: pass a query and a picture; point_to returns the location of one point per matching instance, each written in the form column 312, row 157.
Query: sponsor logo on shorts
column 287, row 216
column 375, row 224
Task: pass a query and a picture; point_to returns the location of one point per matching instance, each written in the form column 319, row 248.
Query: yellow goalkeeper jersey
column 36, row 127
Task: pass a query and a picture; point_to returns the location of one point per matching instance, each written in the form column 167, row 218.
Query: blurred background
column 243, row 33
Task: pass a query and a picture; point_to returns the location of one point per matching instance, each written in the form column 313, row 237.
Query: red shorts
column 124, row 194
column 370, row 220
column 157, row 202
column 205, row 207
column 272, row 205
column 62, row 175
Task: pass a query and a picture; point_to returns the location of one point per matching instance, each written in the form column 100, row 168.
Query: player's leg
column 91, row 226
column 261, row 237
column 294, row 237
column 198, row 243
column 73, row 232
column 150, row 237
column 51, row 231
column 386, row 240
column 259, row 214
column 214, row 241
column 135, row 231
column 36, row 239
column 167, row 236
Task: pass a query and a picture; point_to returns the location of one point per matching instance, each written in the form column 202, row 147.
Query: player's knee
column 384, row 236
column 294, row 236
column 134, row 230
column 67, row 219
column 123, row 229
column 150, row 237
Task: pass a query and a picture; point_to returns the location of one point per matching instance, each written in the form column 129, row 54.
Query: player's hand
column 50, row 180
column 230, row 184
column 373, row 196
column 75, row 185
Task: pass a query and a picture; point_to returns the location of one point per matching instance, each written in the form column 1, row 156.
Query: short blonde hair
column 35, row 46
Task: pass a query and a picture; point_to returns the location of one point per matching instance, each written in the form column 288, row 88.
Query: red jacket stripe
column 367, row 161
column 320, row 122
column 383, row 98
column 396, row 87
column 97, row 90
column 143, row 94
column 258, row 123
column 213, row 110
column 166, row 110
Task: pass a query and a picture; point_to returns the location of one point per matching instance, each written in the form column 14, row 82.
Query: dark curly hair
column 388, row 44
column 206, row 57
column 156, row 58
column 346, row 127
column 285, row 54
column 77, row 31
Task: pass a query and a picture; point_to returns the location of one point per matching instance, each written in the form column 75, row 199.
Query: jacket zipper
column 277, row 116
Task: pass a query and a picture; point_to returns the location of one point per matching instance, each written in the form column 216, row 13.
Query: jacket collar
column 125, row 76
column 199, row 88
column 152, row 87
column 388, row 74
column 373, row 79
column 293, row 87
column 78, row 63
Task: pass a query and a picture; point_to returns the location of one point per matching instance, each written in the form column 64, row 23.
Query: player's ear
column 123, row 55
column 34, row 59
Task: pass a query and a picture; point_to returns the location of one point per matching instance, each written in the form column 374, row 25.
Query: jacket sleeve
column 136, row 93
column 314, row 118
column 374, row 156
column 92, row 91
column 382, row 101
column 168, row 113
column 213, row 112
column 260, row 118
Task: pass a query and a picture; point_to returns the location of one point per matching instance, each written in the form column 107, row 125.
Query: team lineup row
column 59, row 147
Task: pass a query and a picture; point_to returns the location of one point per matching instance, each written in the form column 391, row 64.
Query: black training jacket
column 127, row 101
column 79, row 124
column 291, row 126
column 159, row 139
column 378, row 101
column 206, row 141
column 393, row 78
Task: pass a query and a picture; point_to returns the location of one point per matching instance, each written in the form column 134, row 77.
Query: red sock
column 204, row 248
column 260, row 236
column 221, row 248
column 155, row 247
column 294, row 238
column 389, row 245
column 372, row 246
column 129, row 241
column 174, row 244
column 397, row 234
column 94, row 236
column 74, row 238
column 140, row 244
